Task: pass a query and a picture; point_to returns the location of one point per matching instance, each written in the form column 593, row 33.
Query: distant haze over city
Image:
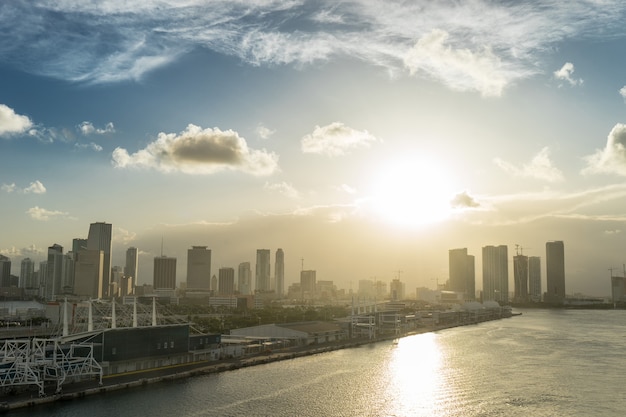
column 366, row 138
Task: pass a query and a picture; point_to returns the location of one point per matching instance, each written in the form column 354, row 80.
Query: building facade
column 199, row 268
column 131, row 267
column 534, row 278
column 495, row 274
column 262, row 271
column 555, row 272
column 520, row 278
column 462, row 273
column 100, row 238
column 164, row 277
column 279, row 272
column 244, row 278
column 226, row 284
column 88, row 274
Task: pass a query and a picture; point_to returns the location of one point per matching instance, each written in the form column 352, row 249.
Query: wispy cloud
column 540, row 167
column 41, row 214
column 93, row 146
column 199, row 151
column 87, row 128
column 35, row 187
column 622, row 92
column 264, row 132
column 11, row 122
column 283, row 188
column 611, row 159
column 566, row 74
column 480, row 45
column 335, row 139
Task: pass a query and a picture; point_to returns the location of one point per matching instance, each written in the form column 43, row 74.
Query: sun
column 412, row 192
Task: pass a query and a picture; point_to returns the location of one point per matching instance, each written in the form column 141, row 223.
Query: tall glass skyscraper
column 199, row 268
column 279, row 271
column 262, row 272
column 462, row 273
column 131, row 267
column 99, row 238
column 555, row 272
column 495, row 274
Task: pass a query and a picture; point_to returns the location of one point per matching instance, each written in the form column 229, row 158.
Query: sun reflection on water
column 415, row 377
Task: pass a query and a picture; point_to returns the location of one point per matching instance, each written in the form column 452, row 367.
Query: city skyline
column 365, row 137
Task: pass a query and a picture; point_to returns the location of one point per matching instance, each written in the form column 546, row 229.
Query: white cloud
column 335, row 139
column 124, row 236
column 460, row 68
column 264, row 132
column 9, row 188
column 565, row 74
column 199, row 151
column 540, row 167
column 464, row 200
column 87, row 128
column 35, row 188
column 13, row 123
column 622, row 92
column 504, row 41
column 93, row 146
column 611, row 159
column 283, row 188
column 42, row 214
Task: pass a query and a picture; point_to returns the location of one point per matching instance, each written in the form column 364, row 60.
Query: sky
column 364, row 138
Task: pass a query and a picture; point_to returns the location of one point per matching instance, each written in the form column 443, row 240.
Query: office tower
column 42, row 275
column 88, row 273
column 534, row 278
column 307, row 283
column 131, row 266
column 555, row 272
column 198, row 268
column 226, row 285
column 495, row 274
column 54, row 272
column 396, row 290
column 244, row 278
column 99, row 238
column 520, row 278
column 462, row 273
column 68, row 273
column 618, row 289
column 27, row 274
column 214, row 284
column 164, row 273
column 78, row 244
column 279, row 271
column 5, row 271
column 262, row 272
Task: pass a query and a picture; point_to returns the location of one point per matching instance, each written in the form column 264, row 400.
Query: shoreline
column 125, row 381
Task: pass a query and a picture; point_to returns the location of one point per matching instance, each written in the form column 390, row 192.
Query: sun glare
column 412, row 193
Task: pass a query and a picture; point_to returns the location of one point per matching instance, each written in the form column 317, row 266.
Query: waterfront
column 543, row 363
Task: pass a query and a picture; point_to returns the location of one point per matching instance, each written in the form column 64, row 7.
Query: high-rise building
column 279, row 271
column 78, row 244
column 131, row 267
column 396, row 290
column 164, row 273
column 5, row 271
column 99, row 238
column 88, row 273
column 520, row 278
column 495, row 274
column 27, row 274
column 68, row 273
column 199, row 268
column 307, row 283
column 214, row 284
column 244, row 278
column 462, row 273
column 54, row 272
column 226, row 285
column 555, row 272
column 534, row 278
column 42, row 275
column 262, row 272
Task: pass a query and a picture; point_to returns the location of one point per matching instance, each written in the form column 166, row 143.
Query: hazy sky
column 365, row 137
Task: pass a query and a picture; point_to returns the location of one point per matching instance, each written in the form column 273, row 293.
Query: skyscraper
column 5, row 271
column 164, row 273
column 462, row 273
column 520, row 278
column 495, row 274
column 279, row 271
column 78, row 244
column 262, row 272
column 555, row 272
column 244, row 278
column 199, row 268
column 226, row 285
column 99, row 238
column 307, row 283
column 534, row 278
column 88, row 273
column 27, row 274
column 54, row 272
column 131, row 266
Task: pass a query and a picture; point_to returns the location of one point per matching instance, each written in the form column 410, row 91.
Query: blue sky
column 363, row 136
